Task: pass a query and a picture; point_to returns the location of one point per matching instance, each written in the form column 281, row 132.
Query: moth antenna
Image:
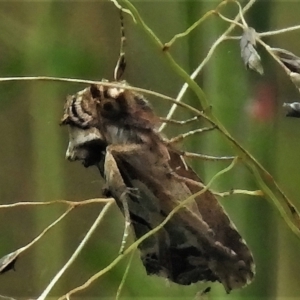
column 121, row 63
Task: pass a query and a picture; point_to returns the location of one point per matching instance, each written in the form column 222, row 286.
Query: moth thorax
column 121, row 135
column 110, row 108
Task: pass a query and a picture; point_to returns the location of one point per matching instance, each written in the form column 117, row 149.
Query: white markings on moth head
column 114, row 92
column 79, row 137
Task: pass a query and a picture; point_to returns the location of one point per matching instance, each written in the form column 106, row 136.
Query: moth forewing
column 214, row 215
column 199, row 243
column 189, row 230
column 190, row 238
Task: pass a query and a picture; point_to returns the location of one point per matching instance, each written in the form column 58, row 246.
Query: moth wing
column 217, row 219
column 143, row 210
column 192, row 246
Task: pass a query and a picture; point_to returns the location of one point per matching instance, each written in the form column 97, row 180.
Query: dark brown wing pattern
column 115, row 129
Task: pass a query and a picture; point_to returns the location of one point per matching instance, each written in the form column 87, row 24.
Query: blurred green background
column 80, row 39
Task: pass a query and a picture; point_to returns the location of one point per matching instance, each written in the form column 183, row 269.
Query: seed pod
column 249, row 54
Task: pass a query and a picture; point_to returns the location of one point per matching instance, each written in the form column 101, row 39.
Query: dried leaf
column 248, row 50
column 289, row 59
column 8, row 261
column 292, row 109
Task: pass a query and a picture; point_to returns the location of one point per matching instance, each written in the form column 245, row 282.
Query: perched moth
column 116, row 130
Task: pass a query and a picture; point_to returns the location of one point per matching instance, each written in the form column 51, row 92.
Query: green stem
column 262, row 176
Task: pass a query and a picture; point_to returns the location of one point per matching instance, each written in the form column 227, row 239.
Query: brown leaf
column 289, row 59
column 248, row 50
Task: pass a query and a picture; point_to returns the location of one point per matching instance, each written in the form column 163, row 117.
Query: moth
column 116, row 130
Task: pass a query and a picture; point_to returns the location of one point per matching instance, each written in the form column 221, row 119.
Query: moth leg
column 124, row 200
column 117, row 186
column 106, row 191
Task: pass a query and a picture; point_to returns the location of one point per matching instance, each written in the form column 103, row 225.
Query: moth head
column 86, row 143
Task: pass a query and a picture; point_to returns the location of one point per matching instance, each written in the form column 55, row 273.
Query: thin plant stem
column 205, row 61
column 279, row 31
column 263, row 178
column 257, row 193
column 76, row 252
column 12, row 257
column 124, row 276
column 134, row 245
column 71, row 203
